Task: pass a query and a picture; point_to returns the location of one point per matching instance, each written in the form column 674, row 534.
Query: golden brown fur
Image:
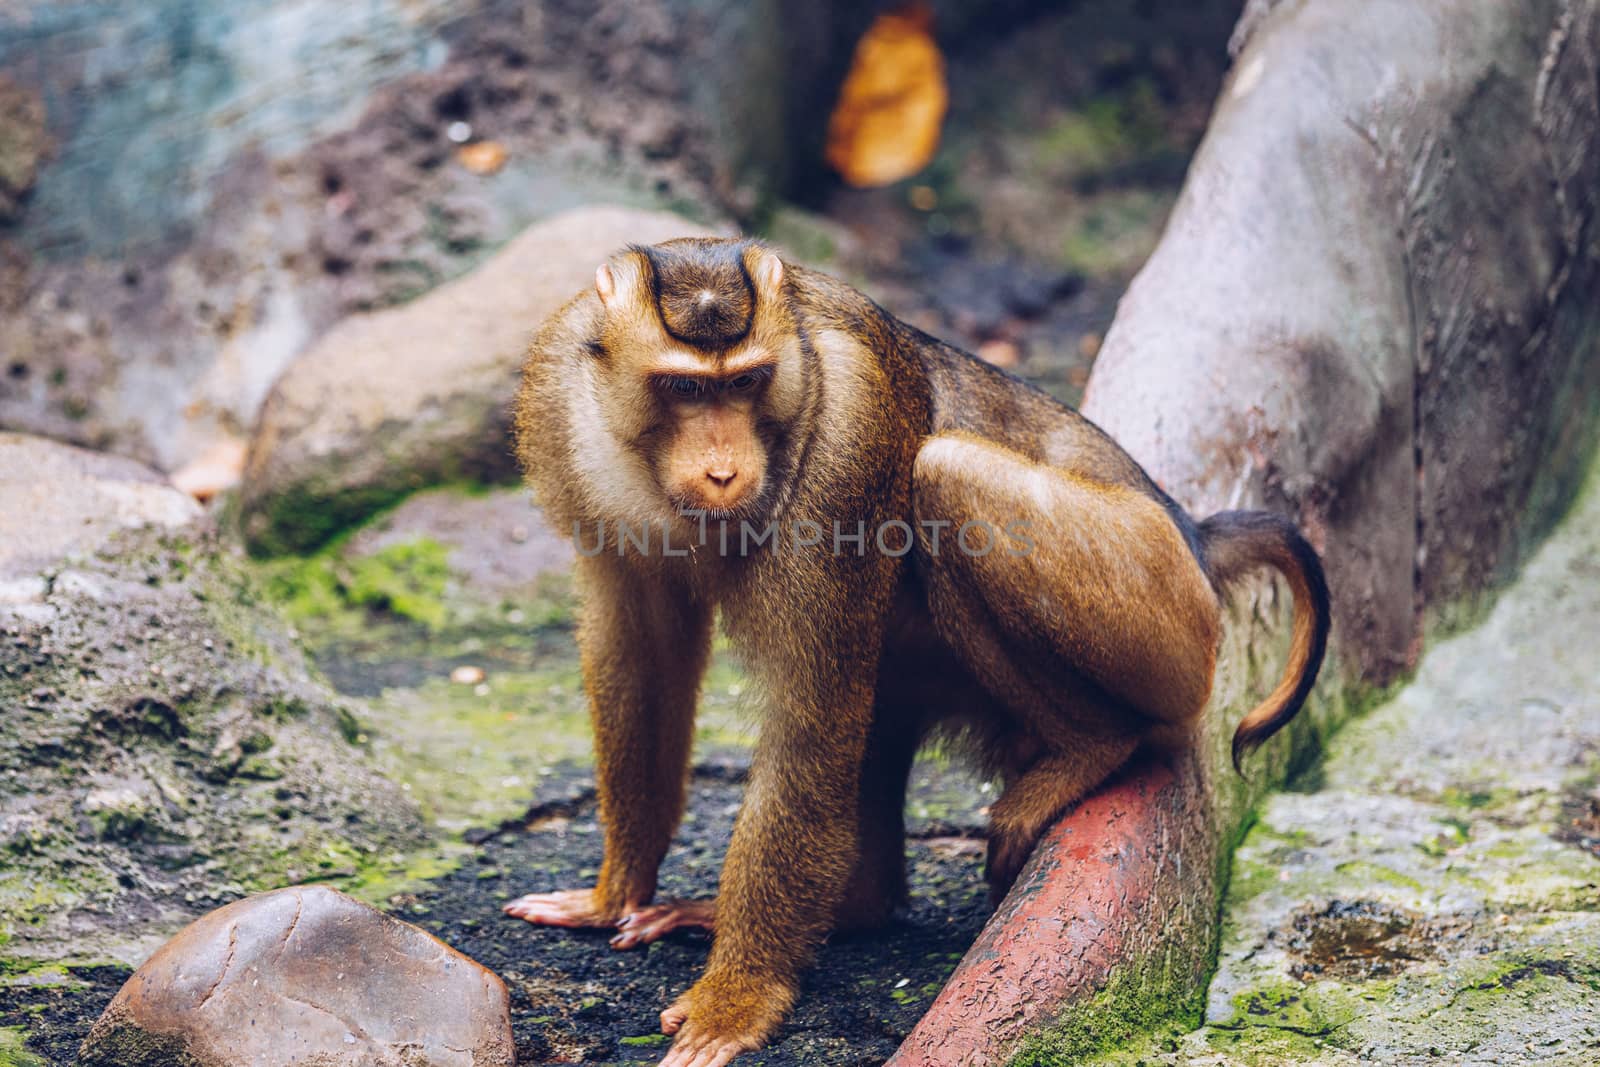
column 702, row 385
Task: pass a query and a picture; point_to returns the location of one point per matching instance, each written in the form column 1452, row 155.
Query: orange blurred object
column 484, row 157
column 213, row 471
column 1000, row 353
column 886, row 124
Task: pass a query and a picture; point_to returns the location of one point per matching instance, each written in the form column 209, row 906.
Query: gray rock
column 1339, row 325
column 60, row 500
column 208, row 209
column 391, row 401
column 498, row 542
column 305, row 975
column 1451, row 810
column 163, row 745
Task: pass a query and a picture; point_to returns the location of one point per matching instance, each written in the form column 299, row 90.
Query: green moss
column 1116, row 231
column 1362, row 869
column 260, row 768
column 1159, row 998
column 38, row 973
column 644, row 1040
column 1106, row 133
column 349, row 726
column 303, row 519
column 13, row 1050
column 514, row 729
column 1475, row 799
column 1455, row 834
column 1317, row 1009
column 1262, row 1047
column 407, row 580
column 803, row 235
column 376, row 879
column 29, row 898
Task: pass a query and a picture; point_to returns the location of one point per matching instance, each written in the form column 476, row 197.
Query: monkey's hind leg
column 1035, row 798
column 877, row 883
column 1077, row 604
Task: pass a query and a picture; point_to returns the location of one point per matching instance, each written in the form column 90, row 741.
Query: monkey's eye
column 687, row 388
column 749, row 380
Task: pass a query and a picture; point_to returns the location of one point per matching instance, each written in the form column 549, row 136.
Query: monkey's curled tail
column 1237, row 542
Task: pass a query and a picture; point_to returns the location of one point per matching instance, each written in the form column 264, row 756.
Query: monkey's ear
column 605, row 284
column 768, row 271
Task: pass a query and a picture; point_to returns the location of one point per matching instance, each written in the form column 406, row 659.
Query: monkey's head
column 700, row 370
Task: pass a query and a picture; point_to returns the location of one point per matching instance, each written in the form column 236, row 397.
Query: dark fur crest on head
column 703, row 292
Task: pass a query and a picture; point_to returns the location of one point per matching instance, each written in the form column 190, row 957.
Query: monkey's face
column 701, row 374
column 711, row 457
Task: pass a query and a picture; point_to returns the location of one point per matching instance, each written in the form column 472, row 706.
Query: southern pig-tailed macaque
column 901, row 541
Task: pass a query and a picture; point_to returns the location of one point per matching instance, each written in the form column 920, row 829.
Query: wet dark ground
column 574, row 999
column 57, row 1016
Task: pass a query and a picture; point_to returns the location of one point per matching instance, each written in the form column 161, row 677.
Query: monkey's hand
column 637, row 924
column 655, row 921
column 715, row 1021
column 567, row 907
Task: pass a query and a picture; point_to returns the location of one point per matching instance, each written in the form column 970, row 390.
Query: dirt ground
column 574, row 999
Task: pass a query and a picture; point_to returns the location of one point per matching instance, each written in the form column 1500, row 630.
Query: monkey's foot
column 698, row 1047
column 712, row 1027
column 1008, row 853
column 655, row 921
column 568, row 907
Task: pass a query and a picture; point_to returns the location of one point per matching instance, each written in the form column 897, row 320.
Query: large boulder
column 163, row 744
column 420, row 394
column 305, row 975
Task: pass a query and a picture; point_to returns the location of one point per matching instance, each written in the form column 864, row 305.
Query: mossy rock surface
column 165, row 746
column 1432, row 892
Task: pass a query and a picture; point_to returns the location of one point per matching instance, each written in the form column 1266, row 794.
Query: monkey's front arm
column 795, row 843
column 644, row 644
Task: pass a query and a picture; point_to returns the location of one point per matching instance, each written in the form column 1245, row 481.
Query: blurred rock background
column 191, row 195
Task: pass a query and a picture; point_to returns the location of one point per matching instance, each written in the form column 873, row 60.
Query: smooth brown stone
column 305, row 976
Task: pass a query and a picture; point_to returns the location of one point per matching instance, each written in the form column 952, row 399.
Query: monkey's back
column 975, row 397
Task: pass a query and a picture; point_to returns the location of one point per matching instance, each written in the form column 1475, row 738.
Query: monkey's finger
column 629, row 939
column 718, row 1053
column 658, row 920
column 685, row 1051
column 567, row 908
column 696, row 1049
column 679, row 1055
column 673, row 1018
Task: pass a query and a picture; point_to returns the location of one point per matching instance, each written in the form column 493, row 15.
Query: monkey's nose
column 722, row 477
